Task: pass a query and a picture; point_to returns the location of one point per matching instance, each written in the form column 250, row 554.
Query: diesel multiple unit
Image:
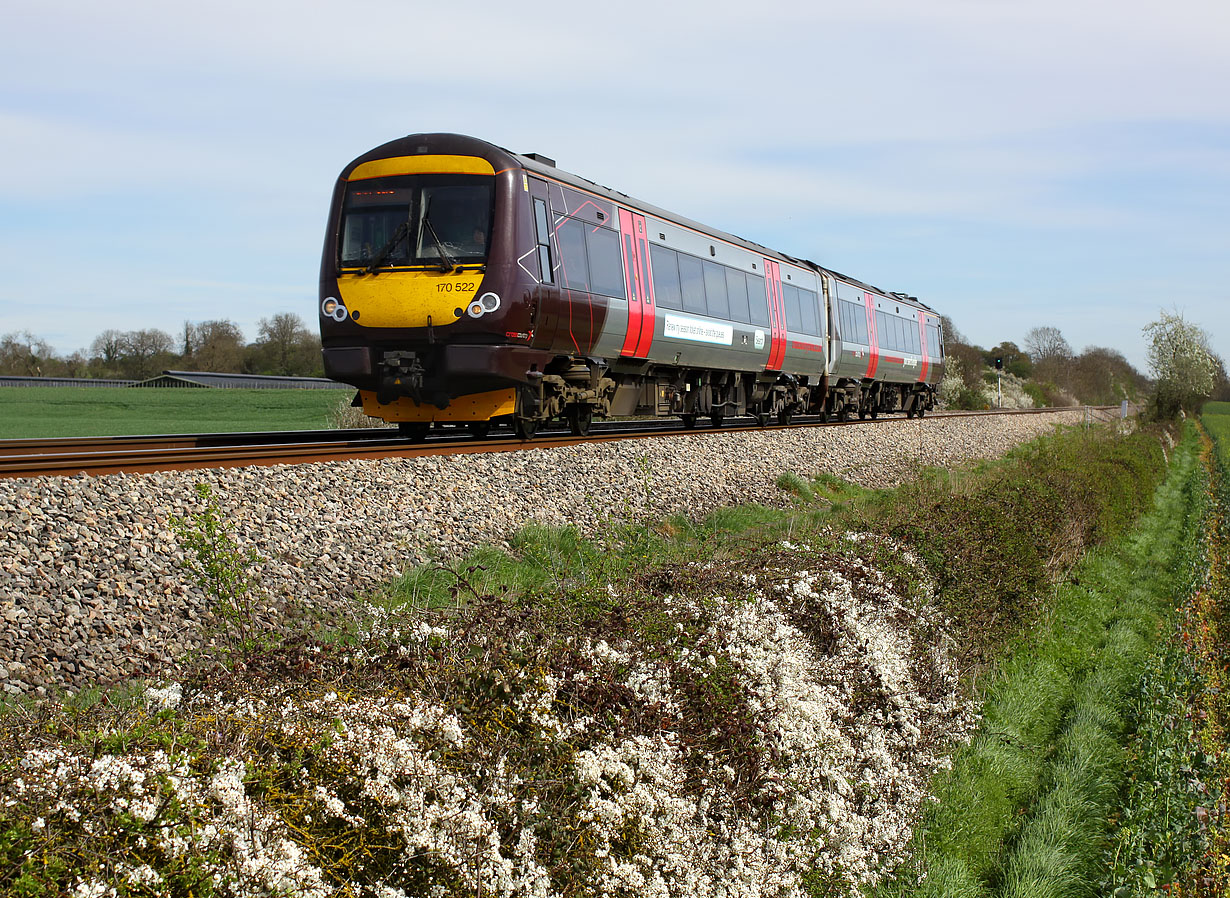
column 464, row 284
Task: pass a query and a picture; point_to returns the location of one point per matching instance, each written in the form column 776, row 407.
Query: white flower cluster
column 847, row 731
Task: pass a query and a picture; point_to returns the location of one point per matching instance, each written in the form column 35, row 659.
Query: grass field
column 112, row 411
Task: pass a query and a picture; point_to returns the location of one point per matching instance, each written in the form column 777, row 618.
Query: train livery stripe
column 648, row 316
column 873, row 339
column 426, row 164
column 639, row 336
column 922, row 340
column 777, row 320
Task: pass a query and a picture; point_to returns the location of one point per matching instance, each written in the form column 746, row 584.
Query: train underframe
column 577, row 390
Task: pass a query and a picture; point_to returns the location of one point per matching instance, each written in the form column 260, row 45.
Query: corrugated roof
column 191, row 379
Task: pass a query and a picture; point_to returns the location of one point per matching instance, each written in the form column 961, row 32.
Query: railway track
column 176, row 452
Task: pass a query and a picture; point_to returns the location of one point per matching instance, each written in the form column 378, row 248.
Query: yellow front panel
column 407, row 298
column 474, row 407
column 422, row 165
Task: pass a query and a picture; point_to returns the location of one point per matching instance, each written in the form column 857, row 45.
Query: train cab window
column 692, row 283
column 716, row 300
column 736, row 290
column 411, row 220
column 665, row 265
column 758, row 300
column 606, row 264
column 933, row 341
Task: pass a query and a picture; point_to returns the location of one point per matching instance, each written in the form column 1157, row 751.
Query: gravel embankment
column 90, row 583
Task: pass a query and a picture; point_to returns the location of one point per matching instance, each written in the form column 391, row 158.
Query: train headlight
column 333, row 308
column 484, row 305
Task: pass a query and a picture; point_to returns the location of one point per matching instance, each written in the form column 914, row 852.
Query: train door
column 777, row 316
column 639, row 285
column 873, row 339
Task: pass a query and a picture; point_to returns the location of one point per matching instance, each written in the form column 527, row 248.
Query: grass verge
column 1027, row 809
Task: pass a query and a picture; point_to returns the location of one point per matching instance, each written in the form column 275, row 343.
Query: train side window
column 933, row 342
column 570, row 236
column 716, row 300
column 543, row 233
column 692, row 280
column 758, row 298
column 666, row 277
column 790, row 295
column 807, row 310
column 736, row 289
column 902, row 339
column 606, row 264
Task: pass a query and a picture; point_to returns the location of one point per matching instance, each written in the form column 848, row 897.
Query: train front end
column 421, row 306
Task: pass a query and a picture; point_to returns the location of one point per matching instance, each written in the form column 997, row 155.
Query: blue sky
column 1013, row 163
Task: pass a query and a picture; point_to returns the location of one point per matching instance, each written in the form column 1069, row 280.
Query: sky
column 1013, row 163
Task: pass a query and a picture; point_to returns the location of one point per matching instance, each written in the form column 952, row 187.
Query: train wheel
column 689, row 421
column 415, row 431
column 909, row 412
column 875, row 412
column 921, row 410
column 580, row 417
column 479, row 429
column 717, row 418
column 761, row 419
column 525, row 428
column 824, row 416
column 862, row 413
column 784, row 418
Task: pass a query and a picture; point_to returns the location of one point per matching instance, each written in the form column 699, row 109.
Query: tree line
column 283, row 346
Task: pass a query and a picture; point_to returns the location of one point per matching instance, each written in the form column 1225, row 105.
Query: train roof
column 547, row 167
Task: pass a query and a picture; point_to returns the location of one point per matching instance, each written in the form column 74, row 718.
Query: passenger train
column 463, row 284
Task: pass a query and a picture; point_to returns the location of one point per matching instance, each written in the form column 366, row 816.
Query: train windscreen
column 416, row 220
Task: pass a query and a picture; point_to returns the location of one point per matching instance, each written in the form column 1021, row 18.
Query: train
column 464, row 285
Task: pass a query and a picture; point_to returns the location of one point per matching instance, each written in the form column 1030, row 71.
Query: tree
column 108, row 348
column 1050, row 353
column 285, row 347
column 214, row 346
column 145, row 353
column 25, row 355
column 1101, row 376
column 1185, row 369
column 1016, row 360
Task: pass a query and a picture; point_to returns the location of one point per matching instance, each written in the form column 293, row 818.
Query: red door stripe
column 922, row 338
column 873, row 339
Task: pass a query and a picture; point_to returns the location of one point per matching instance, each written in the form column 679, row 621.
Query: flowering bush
column 759, row 728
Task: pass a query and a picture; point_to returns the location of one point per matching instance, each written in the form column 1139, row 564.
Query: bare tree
column 1050, row 353
column 25, row 355
column 145, row 353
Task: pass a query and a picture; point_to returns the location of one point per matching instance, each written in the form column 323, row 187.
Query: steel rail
column 146, row 454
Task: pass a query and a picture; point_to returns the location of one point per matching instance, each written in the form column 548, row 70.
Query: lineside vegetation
column 752, row 705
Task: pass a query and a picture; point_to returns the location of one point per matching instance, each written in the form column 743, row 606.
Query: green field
column 112, row 411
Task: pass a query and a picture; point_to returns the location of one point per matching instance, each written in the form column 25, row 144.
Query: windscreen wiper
column 446, row 262
column 383, row 253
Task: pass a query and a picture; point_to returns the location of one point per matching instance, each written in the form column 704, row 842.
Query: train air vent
column 539, row 157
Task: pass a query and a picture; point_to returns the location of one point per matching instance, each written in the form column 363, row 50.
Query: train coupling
column 401, row 374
